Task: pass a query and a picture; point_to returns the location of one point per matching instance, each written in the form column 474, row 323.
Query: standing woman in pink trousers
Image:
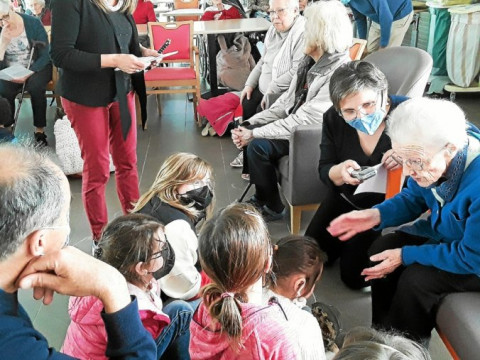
column 95, row 46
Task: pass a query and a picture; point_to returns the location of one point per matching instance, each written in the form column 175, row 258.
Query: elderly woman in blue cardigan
column 18, row 35
column 417, row 265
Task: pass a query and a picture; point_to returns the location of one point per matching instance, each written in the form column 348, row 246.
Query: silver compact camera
column 365, row 172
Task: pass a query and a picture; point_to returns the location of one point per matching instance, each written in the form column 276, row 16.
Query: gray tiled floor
column 176, row 131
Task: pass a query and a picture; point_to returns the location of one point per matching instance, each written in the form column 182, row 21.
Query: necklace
column 113, row 8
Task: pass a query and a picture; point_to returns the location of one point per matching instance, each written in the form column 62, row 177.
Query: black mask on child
column 168, row 256
column 201, row 198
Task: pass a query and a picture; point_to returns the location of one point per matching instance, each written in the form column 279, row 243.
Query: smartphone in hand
column 364, row 173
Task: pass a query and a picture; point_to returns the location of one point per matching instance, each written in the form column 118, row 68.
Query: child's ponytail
column 224, row 308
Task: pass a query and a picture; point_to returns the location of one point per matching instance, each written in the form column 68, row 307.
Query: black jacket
column 81, row 32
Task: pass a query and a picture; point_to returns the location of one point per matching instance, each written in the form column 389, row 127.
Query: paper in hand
column 376, row 184
column 15, row 72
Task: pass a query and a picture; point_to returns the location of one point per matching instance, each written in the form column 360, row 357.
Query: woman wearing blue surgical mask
column 353, row 136
column 180, row 197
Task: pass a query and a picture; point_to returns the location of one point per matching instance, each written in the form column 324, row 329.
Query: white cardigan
column 184, row 281
column 285, row 63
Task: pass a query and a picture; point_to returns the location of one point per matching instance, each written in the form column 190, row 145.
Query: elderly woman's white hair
column 39, row 2
column 292, row 4
column 328, row 27
column 4, row 6
column 428, row 123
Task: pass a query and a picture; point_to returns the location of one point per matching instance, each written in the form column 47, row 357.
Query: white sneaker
column 238, row 161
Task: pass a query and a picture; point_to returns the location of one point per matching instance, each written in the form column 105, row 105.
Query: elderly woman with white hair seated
column 40, row 11
column 328, row 36
column 420, row 263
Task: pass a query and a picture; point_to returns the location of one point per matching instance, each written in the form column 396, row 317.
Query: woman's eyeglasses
column 416, row 164
column 279, row 12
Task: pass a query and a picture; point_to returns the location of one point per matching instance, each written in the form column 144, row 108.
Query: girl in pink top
column 231, row 322
column 136, row 245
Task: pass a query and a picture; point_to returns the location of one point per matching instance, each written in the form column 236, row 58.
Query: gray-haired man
column 34, row 230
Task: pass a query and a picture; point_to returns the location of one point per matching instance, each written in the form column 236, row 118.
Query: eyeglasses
column 67, row 240
column 417, row 164
column 5, row 17
column 164, row 252
column 364, row 109
column 62, row 227
column 279, row 12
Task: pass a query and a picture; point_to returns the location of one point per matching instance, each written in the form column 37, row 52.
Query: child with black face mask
column 180, row 197
column 136, row 245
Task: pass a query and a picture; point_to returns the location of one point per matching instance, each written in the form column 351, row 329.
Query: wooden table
column 215, row 27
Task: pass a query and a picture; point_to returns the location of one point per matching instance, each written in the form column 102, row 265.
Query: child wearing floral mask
column 180, row 197
column 297, row 265
column 136, row 245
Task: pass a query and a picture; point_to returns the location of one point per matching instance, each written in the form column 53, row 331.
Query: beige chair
column 407, row 72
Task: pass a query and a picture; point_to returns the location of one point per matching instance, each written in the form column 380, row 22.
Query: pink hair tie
column 227, row 294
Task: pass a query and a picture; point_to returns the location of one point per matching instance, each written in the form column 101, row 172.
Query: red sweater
column 229, row 12
column 144, row 12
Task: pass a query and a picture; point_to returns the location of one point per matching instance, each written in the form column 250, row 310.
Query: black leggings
column 352, row 253
column 35, row 85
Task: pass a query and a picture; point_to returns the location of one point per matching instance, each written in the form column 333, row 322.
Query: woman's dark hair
column 297, row 255
column 234, row 250
column 128, row 240
column 355, row 76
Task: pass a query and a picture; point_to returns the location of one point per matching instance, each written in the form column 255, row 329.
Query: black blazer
column 81, row 32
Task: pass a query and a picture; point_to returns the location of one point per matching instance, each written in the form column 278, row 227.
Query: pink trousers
column 99, row 133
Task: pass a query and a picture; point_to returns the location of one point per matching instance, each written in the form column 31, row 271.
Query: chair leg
column 295, row 219
column 159, row 104
column 296, row 216
column 138, row 112
column 195, row 115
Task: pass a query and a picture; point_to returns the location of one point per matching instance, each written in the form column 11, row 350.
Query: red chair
column 172, row 79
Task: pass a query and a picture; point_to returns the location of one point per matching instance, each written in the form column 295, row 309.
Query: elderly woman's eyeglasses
column 279, row 12
column 5, row 17
column 416, row 164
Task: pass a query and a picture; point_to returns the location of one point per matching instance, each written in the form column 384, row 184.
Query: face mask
column 201, row 198
column 369, row 123
column 168, row 256
column 345, row 2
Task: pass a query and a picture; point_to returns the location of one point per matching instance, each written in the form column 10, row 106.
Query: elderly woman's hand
column 388, row 162
column 247, row 91
column 6, row 35
column 21, row 80
column 348, row 225
column 241, row 137
column 390, row 260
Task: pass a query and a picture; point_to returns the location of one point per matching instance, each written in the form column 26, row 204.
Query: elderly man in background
column 34, row 233
column 428, row 257
column 328, row 37
column 40, row 11
column 390, row 21
column 275, row 70
column 283, row 51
